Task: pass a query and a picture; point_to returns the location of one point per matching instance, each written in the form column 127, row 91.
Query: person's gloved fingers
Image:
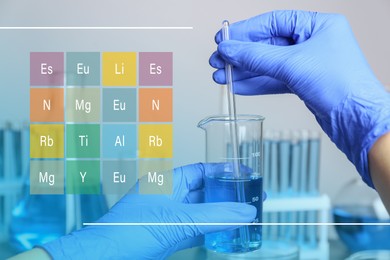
column 259, row 85
column 196, row 196
column 190, row 178
column 216, row 61
column 249, row 83
column 246, row 82
column 186, row 179
column 262, row 85
column 293, row 26
column 221, row 212
column 266, row 60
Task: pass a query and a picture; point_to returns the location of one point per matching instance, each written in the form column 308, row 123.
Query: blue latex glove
column 154, row 242
column 316, row 57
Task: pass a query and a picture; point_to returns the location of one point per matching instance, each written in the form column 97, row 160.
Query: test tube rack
column 291, row 174
column 312, row 239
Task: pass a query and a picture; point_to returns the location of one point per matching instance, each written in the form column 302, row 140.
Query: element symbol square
column 155, row 68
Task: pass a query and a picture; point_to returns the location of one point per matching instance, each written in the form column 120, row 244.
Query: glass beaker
column 227, row 185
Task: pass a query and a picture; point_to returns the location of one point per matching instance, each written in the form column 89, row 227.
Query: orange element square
column 47, row 105
column 155, row 105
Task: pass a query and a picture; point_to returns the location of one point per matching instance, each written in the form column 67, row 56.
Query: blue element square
column 83, row 69
column 119, row 141
column 119, row 177
column 119, row 105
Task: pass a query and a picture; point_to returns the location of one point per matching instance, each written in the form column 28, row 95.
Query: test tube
column 314, row 152
column 304, row 147
column 284, row 162
column 274, row 164
column 284, row 166
column 274, row 183
column 294, row 177
column 314, row 156
column 302, row 215
column 295, row 163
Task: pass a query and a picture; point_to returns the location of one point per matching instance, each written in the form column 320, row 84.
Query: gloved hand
column 316, row 57
column 154, row 242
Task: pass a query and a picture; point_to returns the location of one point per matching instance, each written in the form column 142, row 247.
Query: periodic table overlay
column 100, row 121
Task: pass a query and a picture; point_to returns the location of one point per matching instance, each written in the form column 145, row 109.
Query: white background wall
column 195, row 94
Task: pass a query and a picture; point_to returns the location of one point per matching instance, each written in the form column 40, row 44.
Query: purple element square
column 155, row 68
column 46, row 68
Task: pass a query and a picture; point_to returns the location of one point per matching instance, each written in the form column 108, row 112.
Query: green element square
column 119, row 177
column 83, row 69
column 83, row 105
column 46, row 177
column 82, row 141
column 155, row 176
column 83, row 177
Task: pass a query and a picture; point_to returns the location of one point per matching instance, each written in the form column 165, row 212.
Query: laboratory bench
column 337, row 251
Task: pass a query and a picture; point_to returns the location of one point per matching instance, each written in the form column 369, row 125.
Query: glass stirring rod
column 231, row 106
column 243, row 231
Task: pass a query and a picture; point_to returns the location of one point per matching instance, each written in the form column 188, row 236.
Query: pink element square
column 46, row 68
column 155, row 68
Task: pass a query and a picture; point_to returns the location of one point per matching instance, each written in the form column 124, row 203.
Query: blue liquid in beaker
column 223, row 189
